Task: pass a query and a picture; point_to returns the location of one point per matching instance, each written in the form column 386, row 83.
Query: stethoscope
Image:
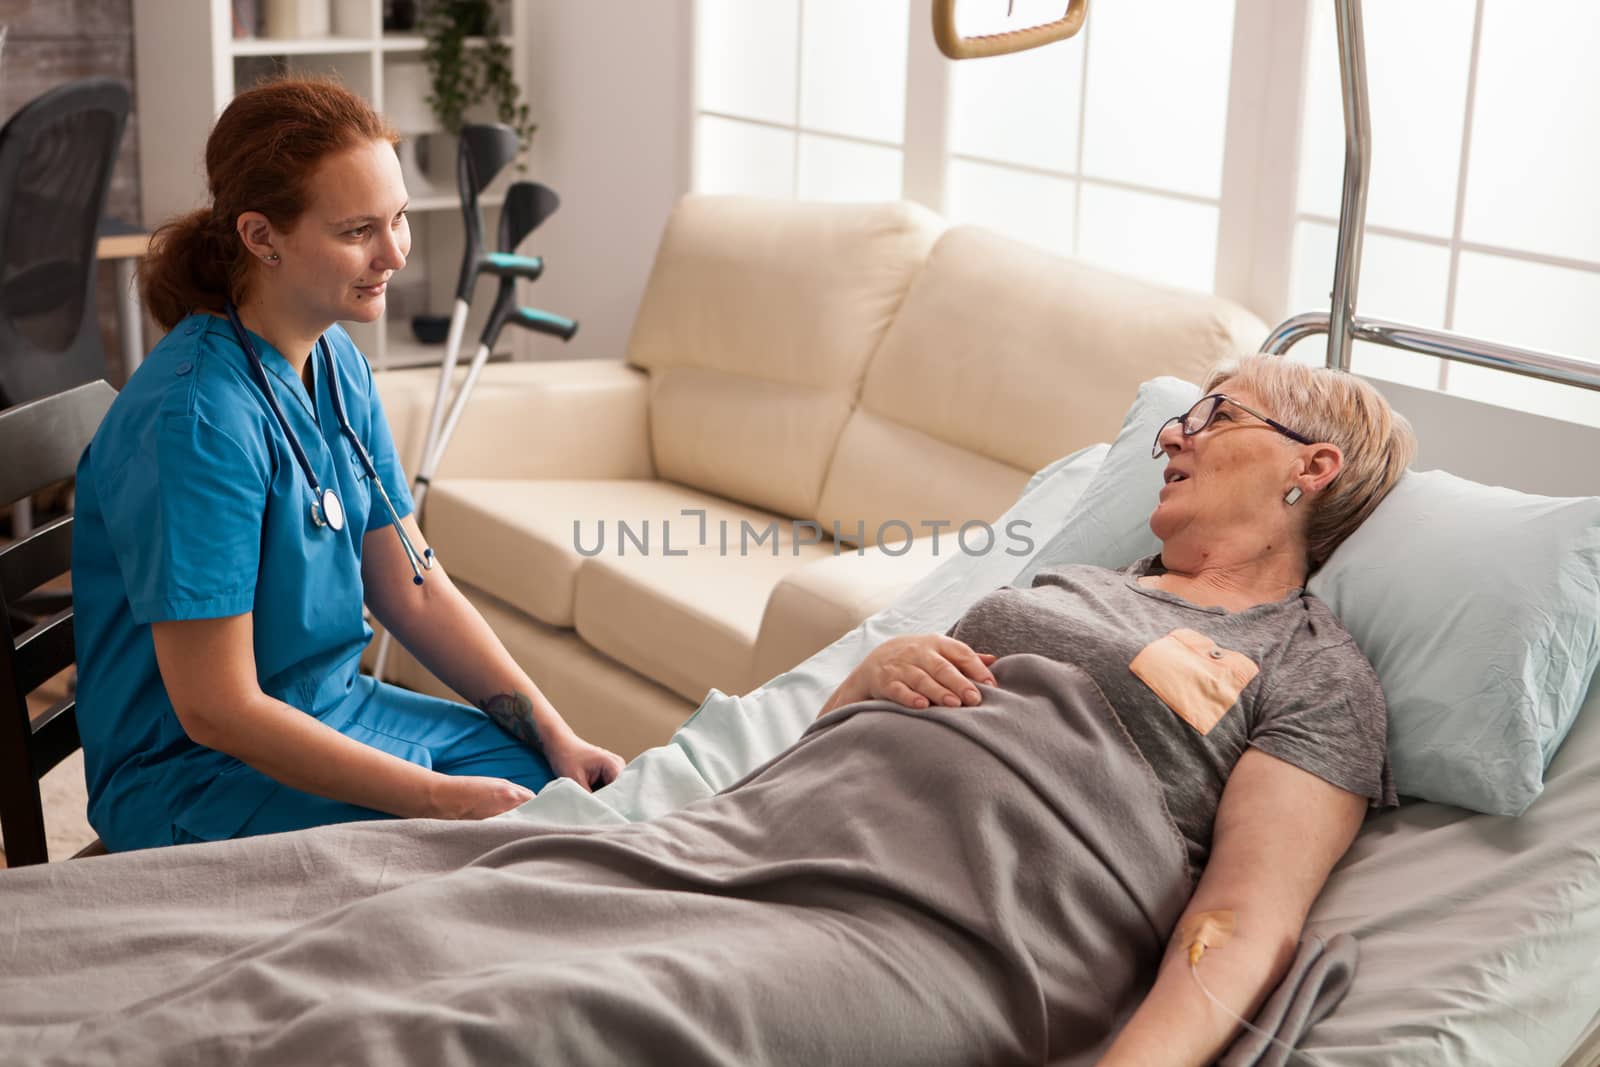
column 326, row 510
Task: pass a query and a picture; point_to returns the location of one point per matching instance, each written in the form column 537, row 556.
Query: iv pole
column 1340, row 322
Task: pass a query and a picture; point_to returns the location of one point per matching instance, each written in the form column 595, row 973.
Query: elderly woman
column 1263, row 721
column 978, row 854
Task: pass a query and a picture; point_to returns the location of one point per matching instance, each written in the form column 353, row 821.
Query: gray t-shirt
column 1195, row 686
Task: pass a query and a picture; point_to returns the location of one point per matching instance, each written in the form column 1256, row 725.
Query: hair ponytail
column 191, row 266
column 259, row 157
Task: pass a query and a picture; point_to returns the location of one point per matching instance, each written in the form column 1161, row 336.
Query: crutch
column 483, row 152
column 527, row 205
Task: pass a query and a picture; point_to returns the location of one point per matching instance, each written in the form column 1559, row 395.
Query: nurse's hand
column 589, row 765
column 463, row 796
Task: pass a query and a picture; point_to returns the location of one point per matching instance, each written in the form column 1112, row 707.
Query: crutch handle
column 544, row 322
column 510, row 265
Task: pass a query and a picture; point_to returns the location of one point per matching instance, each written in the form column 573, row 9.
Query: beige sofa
column 796, row 372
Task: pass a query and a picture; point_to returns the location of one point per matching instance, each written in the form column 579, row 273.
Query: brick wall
column 49, row 42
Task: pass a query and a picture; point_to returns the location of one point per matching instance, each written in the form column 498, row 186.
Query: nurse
column 243, row 498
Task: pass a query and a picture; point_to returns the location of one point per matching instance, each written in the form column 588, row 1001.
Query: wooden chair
column 40, row 443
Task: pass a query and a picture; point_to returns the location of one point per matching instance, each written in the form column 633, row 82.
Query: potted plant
column 462, row 75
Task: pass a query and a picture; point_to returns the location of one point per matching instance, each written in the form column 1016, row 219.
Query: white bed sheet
column 1586, row 1053
column 1480, row 935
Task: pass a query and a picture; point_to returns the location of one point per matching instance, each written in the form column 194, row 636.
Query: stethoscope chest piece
column 327, row 511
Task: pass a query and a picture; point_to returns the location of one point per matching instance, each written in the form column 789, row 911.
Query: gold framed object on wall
column 954, row 46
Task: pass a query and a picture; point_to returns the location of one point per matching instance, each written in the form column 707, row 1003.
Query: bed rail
column 1454, row 346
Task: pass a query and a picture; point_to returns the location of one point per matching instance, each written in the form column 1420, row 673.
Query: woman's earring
column 1292, row 497
column 273, row 258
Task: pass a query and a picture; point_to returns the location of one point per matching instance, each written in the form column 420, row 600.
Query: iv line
column 1194, row 969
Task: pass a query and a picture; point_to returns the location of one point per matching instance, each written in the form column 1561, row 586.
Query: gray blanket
column 985, row 885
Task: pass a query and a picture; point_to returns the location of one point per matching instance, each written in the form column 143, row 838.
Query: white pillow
column 1111, row 525
column 1479, row 607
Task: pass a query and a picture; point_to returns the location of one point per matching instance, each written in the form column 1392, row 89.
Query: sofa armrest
column 577, row 418
column 827, row 598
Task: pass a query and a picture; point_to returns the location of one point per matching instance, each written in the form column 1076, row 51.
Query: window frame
column 1258, row 206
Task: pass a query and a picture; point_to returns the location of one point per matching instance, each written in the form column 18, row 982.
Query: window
column 1480, row 211
column 1084, row 146
column 1156, row 142
column 800, row 98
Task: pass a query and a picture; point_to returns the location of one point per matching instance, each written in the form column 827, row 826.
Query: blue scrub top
column 190, row 505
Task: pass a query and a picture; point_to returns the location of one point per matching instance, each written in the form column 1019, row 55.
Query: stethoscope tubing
column 419, row 561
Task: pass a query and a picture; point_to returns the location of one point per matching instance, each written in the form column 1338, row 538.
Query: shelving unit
column 189, row 66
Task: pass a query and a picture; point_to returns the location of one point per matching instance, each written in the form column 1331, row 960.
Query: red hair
column 259, row 157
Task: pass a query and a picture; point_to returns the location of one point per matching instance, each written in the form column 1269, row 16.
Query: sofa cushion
column 572, row 418
column 756, row 327
column 1013, row 356
column 688, row 622
column 888, row 473
column 517, row 538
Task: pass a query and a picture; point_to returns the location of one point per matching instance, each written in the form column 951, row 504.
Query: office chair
column 56, row 155
column 52, row 433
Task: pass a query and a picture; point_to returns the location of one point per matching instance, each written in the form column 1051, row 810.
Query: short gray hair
column 1340, row 409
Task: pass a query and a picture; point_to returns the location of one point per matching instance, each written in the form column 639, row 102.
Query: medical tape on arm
column 1212, row 929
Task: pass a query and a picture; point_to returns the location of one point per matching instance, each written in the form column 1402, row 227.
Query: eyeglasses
column 1204, row 413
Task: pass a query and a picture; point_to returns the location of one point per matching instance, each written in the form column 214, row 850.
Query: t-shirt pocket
column 1194, row 676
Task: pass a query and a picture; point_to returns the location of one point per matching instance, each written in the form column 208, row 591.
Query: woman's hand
column 589, row 765
column 917, row 671
column 464, row 796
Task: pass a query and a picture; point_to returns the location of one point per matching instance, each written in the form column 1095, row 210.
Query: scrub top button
column 184, row 368
column 1216, row 653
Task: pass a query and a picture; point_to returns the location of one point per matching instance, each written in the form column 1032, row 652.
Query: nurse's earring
column 1292, row 497
column 272, row 258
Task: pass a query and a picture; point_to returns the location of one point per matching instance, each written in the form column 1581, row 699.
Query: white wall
column 1496, row 445
column 609, row 83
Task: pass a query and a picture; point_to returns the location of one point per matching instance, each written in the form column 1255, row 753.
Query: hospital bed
column 1479, row 934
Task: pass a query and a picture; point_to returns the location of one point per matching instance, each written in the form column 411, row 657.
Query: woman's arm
column 1279, row 831
column 209, row 669
column 916, row 670
column 439, row 626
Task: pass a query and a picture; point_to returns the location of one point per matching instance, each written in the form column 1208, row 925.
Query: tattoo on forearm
column 514, row 714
